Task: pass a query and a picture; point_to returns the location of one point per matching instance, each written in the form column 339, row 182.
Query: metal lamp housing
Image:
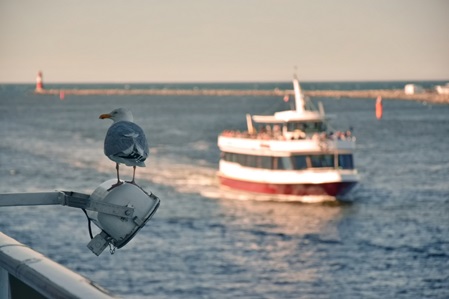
column 116, row 230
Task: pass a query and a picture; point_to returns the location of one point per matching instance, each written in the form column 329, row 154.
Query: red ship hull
column 331, row 189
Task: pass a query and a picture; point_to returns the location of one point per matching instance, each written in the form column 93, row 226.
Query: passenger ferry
column 289, row 153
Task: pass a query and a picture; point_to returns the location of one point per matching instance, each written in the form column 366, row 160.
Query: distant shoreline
column 430, row 97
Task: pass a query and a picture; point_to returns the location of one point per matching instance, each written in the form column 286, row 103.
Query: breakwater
column 431, row 97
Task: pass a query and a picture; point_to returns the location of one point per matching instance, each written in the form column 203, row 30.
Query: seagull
column 125, row 142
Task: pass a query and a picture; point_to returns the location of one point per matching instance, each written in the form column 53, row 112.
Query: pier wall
column 431, row 97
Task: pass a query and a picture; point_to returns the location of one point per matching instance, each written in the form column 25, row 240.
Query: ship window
column 251, row 161
column 285, row 163
column 299, row 162
column 226, row 156
column 241, row 159
column 266, row 162
column 292, row 126
column 308, row 127
column 345, row 161
column 319, row 161
column 231, row 157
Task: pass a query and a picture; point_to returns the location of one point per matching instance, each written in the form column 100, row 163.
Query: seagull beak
column 107, row 115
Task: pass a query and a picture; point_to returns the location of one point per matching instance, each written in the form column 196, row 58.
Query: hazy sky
column 223, row 40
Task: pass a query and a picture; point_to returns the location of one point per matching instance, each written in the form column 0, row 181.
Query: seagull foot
column 115, row 185
column 132, row 182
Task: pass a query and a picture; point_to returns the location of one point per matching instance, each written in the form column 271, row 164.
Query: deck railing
column 289, row 136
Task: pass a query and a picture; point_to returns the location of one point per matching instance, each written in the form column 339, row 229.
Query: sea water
column 388, row 238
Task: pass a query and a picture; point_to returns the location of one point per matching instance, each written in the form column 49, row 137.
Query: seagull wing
column 126, row 143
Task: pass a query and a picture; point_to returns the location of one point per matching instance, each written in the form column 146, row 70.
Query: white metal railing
column 25, row 273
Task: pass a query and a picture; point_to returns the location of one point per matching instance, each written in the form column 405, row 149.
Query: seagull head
column 118, row 114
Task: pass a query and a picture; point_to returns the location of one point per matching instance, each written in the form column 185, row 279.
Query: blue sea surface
column 388, row 238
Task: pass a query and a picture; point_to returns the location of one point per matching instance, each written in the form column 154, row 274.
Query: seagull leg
column 118, row 175
column 134, row 175
column 118, row 178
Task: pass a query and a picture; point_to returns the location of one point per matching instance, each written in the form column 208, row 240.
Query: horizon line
column 219, row 82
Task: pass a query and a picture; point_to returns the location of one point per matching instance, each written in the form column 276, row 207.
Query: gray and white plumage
column 125, row 142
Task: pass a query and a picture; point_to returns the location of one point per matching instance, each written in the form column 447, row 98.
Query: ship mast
column 299, row 97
